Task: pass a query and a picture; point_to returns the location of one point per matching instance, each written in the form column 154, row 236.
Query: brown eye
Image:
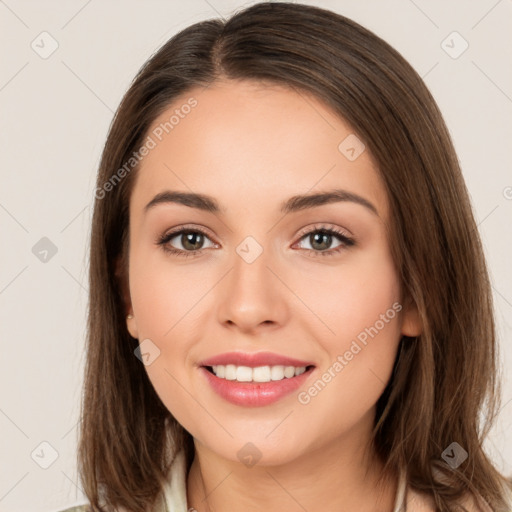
column 191, row 241
column 321, row 240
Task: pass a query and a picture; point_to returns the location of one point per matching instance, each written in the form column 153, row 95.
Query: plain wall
column 55, row 113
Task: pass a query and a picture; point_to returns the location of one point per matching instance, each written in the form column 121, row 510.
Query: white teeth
column 261, row 374
column 258, row 374
column 230, row 372
column 289, row 371
column 220, row 371
column 277, row 372
column 243, row 374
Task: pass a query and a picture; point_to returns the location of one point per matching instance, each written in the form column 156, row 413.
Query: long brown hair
column 442, row 380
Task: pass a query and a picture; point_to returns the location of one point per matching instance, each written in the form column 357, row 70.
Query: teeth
column 258, row 374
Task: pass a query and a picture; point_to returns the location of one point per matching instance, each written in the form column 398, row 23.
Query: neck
column 341, row 475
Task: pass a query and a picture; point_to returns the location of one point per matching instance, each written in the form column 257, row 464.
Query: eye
column 321, row 239
column 191, row 241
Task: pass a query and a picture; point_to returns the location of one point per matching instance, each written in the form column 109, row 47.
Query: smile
column 258, row 374
column 248, row 391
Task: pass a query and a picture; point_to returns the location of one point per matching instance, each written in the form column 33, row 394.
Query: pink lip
column 255, row 394
column 253, row 360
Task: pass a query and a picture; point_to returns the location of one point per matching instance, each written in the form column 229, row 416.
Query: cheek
column 165, row 295
column 359, row 333
column 352, row 296
column 163, row 300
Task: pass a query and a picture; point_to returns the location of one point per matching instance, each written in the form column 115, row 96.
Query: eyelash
column 346, row 241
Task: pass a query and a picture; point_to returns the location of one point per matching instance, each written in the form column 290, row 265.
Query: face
column 313, row 281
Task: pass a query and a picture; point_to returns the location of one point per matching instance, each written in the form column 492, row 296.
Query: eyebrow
column 293, row 204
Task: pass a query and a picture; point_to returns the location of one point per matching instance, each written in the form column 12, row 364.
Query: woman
column 289, row 303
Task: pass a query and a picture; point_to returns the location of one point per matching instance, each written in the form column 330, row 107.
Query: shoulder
column 421, row 502
column 78, row 508
column 87, row 508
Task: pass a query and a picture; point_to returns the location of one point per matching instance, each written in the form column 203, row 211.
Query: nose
column 252, row 297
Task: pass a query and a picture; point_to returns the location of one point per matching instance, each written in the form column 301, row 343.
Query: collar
column 175, row 488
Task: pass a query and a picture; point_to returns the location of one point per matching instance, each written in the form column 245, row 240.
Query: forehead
column 253, row 145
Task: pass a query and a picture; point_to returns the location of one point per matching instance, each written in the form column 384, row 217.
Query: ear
column 121, row 272
column 411, row 321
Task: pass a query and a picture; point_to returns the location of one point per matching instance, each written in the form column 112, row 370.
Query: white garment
column 175, row 490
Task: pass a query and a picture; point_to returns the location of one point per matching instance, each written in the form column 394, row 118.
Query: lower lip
column 255, row 394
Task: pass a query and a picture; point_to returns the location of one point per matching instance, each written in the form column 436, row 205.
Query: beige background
column 55, row 116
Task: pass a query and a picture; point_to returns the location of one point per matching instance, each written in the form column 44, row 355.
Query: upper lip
column 253, row 360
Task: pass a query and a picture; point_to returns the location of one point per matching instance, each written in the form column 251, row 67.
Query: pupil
column 317, row 237
column 191, row 242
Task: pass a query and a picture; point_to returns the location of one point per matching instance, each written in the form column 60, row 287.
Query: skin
column 252, row 146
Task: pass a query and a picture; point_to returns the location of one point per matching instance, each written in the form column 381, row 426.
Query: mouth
column 255, row 386
column 259, row 374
